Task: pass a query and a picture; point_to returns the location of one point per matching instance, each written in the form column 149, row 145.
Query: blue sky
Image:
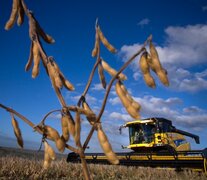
column 179, row 31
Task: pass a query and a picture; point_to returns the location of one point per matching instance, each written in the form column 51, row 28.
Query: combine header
column 155, row 143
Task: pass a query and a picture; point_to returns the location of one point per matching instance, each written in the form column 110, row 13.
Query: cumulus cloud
column 143, row 22
column 156, row 107
column 194, row 121
column 120, row 116
column 192, row 109
column 91, row 99
column 202, row 74
column 97, row 87
column 184, row 80
column 151, row 106
column 113, row 92
column 171, row 108
column 114, row 101
column 192, row 117
column 75, row 98
column 127, row 51
column 185, row 47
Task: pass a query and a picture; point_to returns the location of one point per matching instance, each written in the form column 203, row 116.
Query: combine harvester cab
column 156, row 135
column 155, row 142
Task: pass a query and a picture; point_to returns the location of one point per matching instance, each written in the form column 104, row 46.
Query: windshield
column 141, row 133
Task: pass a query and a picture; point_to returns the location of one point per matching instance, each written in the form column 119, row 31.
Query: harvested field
column 23, row 164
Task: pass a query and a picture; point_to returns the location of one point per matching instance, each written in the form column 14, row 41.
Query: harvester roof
column 149, row 120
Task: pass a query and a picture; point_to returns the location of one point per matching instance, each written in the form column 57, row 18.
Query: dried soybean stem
column 72, row 148
column 44, row 56
column 21, row 117
column 90, row 79
column 113, row 79
column 33, row 125
column 81, row 153
column 64, row 105
column 84, row 165
column 42, row 52
column 80, row 150
column 59, row 95
column 26, row 10
column 92, row 71
column 45, row 117
column 45, row 60
column 109, row 88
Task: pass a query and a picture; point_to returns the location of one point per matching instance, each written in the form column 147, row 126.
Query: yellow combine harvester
column 157, row 134
column 155, row 143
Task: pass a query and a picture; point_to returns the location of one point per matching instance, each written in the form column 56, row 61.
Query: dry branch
column 58, row 80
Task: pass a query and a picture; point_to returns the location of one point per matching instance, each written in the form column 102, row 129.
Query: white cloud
column 127, row 52
column 75, row 98
column 193, row 85
column 80, row 84
column 192, row 117
column 137, row 76
column 171, row 108
column 156, row 107
column 151, row 106
column 167, row 102
column 143, row 22
column 115, row 101
column 90, row 99
column 113, row 92
column 202, row 74
column 184, row 80
column 55, row 116
column 194, row 121
column 97, row 87
column 120, row 116
column 192, row 109
column 185, row 47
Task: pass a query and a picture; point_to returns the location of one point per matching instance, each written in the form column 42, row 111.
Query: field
column 25, row 164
